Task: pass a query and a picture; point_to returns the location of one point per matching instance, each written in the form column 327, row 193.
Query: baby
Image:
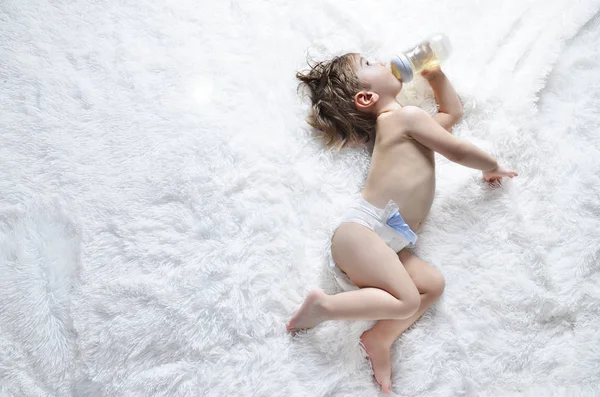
column 353, row 102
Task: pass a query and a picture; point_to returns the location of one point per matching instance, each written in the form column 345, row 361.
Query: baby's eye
column 368, row 63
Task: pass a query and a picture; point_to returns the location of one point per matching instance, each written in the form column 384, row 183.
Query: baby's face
column 377, row 77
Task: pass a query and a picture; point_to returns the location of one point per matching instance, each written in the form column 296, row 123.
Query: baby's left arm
column 450, row 108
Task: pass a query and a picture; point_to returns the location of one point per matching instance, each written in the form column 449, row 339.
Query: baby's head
column 348, row 93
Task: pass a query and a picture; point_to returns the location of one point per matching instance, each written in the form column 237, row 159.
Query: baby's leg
column 387, row 291
column 430, row 283
column 378, row 340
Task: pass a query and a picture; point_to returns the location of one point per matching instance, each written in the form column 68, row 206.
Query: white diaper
column 387, row 223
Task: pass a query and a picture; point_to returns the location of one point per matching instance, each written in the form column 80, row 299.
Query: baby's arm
column 450, row 108
column 421, row 127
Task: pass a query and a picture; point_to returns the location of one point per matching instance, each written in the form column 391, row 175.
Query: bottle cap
column 402, row 65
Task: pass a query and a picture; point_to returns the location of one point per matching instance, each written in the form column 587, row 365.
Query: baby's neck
column 388, row 106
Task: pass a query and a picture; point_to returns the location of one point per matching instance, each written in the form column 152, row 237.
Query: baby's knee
column 437, row 284
column 409, row 304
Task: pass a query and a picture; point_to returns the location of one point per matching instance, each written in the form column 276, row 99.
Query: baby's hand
column 432, row 73
column 497, row 174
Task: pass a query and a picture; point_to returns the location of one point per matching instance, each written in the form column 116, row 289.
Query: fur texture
column 164, row 209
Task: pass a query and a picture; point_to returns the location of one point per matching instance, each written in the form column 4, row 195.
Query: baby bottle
column 427, row 54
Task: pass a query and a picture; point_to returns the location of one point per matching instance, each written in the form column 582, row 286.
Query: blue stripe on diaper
column 398, row 224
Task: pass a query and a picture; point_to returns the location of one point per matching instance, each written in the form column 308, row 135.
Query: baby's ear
column 364, row 100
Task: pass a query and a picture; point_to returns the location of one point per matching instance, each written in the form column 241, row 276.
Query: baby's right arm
column 429, row 133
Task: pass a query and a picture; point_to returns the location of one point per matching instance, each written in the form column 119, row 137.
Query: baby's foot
column 310, row 314
column 379, row 354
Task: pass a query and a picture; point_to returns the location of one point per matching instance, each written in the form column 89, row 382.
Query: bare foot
column 310, row 314
column 379, row 354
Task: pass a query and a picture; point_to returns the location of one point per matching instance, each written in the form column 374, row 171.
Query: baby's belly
column 414, row 196
column 414, row 210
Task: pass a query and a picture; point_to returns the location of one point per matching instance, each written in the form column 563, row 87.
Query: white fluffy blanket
column 164, row 209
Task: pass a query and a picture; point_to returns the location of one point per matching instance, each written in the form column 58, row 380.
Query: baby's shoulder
column 410, row 113
column 405, row 114
column 401, row 120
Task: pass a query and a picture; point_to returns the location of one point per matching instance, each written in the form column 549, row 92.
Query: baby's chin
column 399, row 85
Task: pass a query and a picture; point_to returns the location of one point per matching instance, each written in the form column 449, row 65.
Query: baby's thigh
column 369, row 262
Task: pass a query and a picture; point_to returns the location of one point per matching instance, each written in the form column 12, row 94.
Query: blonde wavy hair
column 331, row 86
